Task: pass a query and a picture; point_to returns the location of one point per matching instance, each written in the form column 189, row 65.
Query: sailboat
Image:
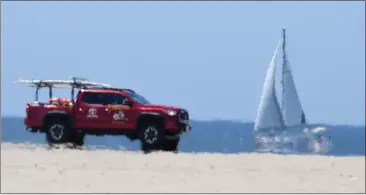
column 277, row 124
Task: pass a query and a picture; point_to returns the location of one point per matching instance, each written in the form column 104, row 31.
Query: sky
column 208, row 57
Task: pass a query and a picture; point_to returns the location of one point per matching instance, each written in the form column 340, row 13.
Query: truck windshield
column 138, row 98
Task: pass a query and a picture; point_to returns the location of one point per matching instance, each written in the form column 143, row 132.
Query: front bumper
column 183, row 121
column 184, row 127
column 179, row 126
column 172, row 134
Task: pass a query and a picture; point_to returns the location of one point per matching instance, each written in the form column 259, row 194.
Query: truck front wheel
column 150, row 137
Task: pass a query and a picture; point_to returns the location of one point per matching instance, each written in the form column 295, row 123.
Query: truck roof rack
column 74, row 82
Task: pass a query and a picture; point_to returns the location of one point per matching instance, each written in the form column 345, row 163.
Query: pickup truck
column 99, row 109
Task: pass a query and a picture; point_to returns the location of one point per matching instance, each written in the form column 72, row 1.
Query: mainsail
column 269, row 112
column 292, row 111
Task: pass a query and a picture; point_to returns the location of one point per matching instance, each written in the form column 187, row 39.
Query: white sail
column 289, row 122
column 292, row 111
column 269, row 112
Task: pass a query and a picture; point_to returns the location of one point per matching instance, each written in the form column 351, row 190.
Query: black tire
column 171, row 145
column 151, row 137
column 63, row 134
column 57, row 132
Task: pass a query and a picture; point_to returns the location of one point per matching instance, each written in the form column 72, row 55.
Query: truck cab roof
column 107, row 90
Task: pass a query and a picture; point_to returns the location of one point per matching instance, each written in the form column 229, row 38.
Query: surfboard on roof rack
column 73, row 83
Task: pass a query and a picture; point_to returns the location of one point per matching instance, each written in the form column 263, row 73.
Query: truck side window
column 93, row 98
column 116, row 99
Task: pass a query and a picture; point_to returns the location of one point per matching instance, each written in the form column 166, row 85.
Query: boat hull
column 293, row 141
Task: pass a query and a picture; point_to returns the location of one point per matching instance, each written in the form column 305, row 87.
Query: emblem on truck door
column 92, row 113
column 118, row 116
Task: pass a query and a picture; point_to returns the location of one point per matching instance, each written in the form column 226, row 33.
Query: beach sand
column 32, row 168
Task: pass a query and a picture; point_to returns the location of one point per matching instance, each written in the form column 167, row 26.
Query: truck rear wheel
column 151, row 136
column 59, row 131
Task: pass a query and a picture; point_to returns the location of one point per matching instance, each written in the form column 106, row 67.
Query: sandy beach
column 32, row 168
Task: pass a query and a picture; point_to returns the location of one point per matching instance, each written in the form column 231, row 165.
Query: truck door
column 92, row 112
column 120, row 115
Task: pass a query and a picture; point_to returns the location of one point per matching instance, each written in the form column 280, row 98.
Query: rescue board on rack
column 75, row 82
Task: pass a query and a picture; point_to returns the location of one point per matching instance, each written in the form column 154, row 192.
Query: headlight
column 170, row 112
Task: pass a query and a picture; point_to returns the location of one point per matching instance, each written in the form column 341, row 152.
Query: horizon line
column 243, row 121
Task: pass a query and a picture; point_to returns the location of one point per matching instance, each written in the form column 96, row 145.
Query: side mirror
column 128, row 103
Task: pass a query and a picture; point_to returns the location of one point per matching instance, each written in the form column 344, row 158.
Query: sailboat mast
column 284, row 60
column 284, row 38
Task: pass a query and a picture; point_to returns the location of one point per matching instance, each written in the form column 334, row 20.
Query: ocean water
column 206, row 136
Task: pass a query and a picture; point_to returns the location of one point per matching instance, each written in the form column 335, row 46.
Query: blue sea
column 206, row 136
